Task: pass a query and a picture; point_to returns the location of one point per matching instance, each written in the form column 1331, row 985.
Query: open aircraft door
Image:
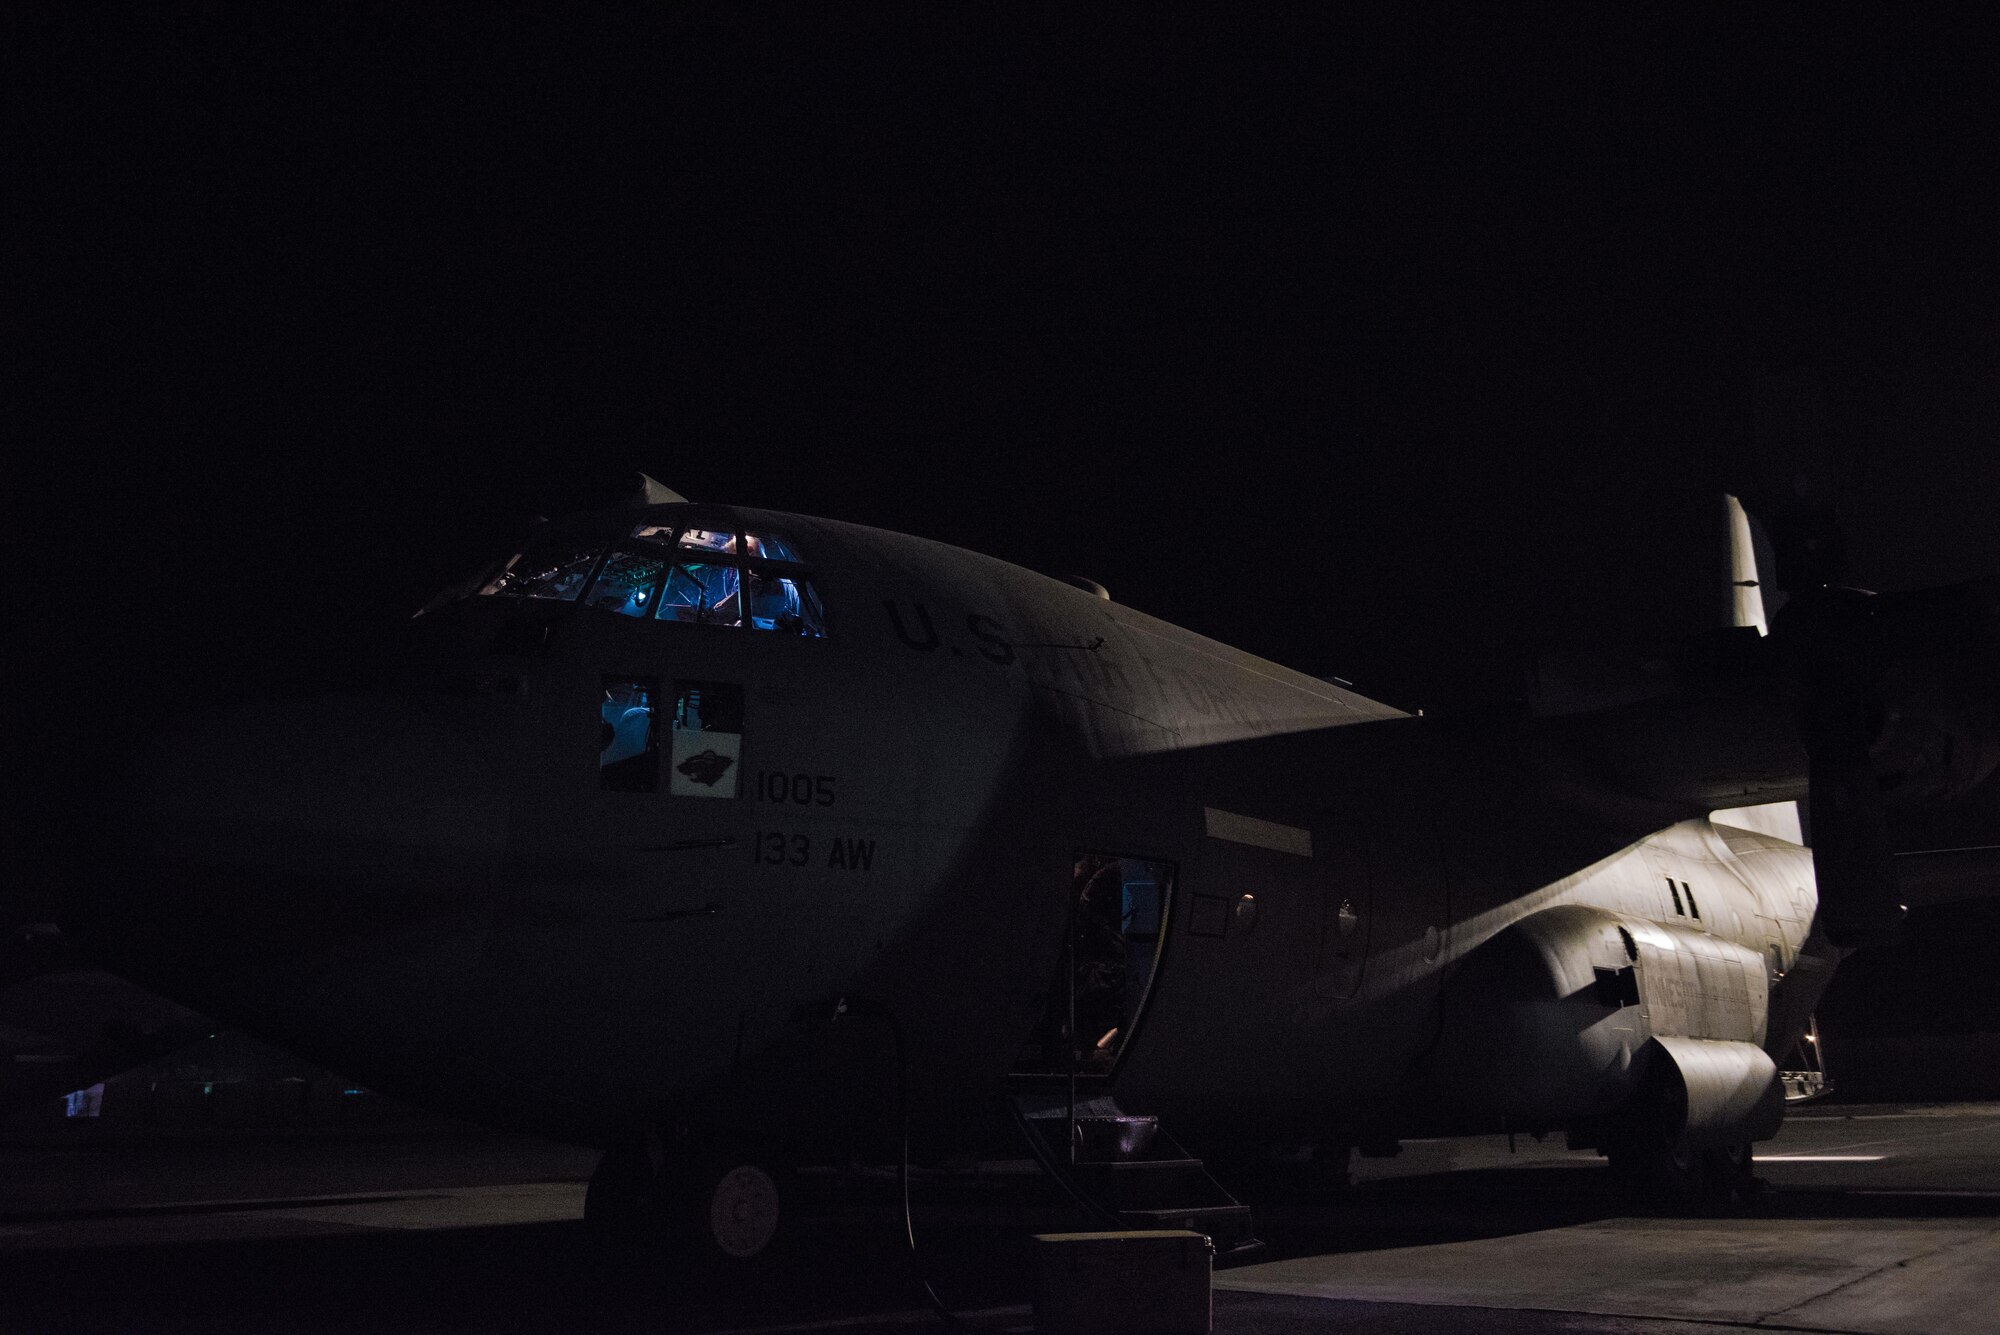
column 1120, row 908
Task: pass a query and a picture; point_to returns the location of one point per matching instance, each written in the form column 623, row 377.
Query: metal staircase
column 1126, row 1168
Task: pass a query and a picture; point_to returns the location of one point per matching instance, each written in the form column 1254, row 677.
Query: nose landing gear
column 711, row 1201
column 618, row 1203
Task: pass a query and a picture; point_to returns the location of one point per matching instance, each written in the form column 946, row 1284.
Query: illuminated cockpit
column 672, row 572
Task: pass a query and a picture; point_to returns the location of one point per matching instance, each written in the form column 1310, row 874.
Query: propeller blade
column 1852, row 858
column 1833, row 639
column 1897, row 698
column 1940, row 696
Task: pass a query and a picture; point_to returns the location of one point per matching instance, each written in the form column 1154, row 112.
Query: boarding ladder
column 1125, row 1168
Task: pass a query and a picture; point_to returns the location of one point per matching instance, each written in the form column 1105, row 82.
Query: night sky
column 1387, row 342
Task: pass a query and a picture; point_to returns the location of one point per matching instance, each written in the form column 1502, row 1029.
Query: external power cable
column 855, row 1006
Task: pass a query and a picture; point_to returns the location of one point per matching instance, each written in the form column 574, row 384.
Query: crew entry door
column 1118, row 911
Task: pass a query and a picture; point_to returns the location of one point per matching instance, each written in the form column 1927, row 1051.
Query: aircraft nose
column 276, row 828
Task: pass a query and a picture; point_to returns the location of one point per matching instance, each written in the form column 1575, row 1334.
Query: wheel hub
column 743, row 1211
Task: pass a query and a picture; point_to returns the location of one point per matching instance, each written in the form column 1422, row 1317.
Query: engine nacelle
column 1553, row 1021
column 1540, row 1024
column 1717, row 1093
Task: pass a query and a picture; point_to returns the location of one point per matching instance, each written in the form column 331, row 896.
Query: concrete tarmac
column 1878, row 1219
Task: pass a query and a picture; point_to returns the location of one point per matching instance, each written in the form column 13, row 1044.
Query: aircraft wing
column 1948, row 875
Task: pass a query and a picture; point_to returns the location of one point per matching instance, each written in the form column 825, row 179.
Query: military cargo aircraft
column 732, row 841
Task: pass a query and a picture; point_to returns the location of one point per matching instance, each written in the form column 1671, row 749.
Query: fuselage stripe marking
column 1238, row 829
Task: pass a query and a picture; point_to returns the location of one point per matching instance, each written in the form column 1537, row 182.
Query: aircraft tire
column 1648, row 1150
column 731, row 1209
column 1733, row 1169
column 619, row 1202
column 725, row 1208
column 1660, row 1169
column 1661, row 1172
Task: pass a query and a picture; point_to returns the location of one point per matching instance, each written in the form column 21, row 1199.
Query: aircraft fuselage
column 578, row 866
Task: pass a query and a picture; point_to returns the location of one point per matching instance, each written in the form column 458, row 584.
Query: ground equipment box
column 1145, row 1282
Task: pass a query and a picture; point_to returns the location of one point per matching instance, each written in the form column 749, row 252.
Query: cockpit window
column 774, row 593
column 703, row 593
column 713, row 577
column 552, row 572
column 770, row 547
column 786, row 602
column 709, row 541
column 627, row 584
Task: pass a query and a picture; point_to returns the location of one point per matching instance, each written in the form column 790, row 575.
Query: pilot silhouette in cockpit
column 774, row 603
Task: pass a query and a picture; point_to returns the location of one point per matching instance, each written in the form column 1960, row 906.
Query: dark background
column 1387, row 342
column 1378, row 343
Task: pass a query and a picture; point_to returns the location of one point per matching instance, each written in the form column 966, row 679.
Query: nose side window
column 707, row 728
column 628, row 757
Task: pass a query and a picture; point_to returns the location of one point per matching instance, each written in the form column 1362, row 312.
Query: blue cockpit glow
column 770, row 547
column 625, row 584
column 650, row 574
column 703, row 593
